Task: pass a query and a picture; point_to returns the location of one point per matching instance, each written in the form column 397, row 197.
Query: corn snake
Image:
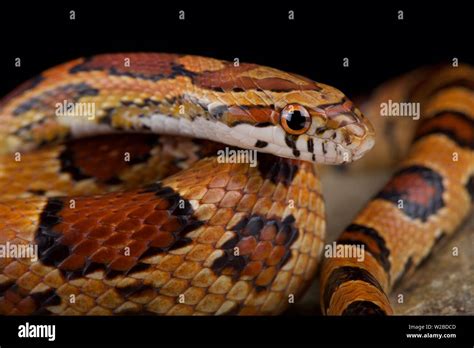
column 169, row 247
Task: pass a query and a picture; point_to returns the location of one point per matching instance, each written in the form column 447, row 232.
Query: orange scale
column 303, row 198
column 238, row 168
column 26, row 306
column 85, row 203
column 104, row 255
column 71, row 237
column 117, row 240
column 247, row 202
column 157, row 218
column 276, row 255
column 161, row 204
column 100, row 232
column 113, row 218
column 293, row 192
column 196, row 192
column 247, row 245
column 221, row 217
column 280, row 192
column 129, row 225
column 281, row 238
column 219, row 181
column 12, row 297
column 253, row 185
column 230, row 199
column 139, row 213
column 137, row 248
column 84, row 224
column 262, row 251
column 123, row 196
column 72, row 262
column 95, row 215
column 266, row 190
column 63, row 227
column 268, row 232
column 213, row 196
column 145, row 233
column 171, row 225
column 162, row 240
column 252, row 269
column 140, row 198
column 86, row 247
column 237, row 182
column 123, row 263
column 266, row 277
column 71, row 217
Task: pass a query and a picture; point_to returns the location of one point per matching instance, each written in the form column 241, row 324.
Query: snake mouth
column 321, row 150
column 365, row 146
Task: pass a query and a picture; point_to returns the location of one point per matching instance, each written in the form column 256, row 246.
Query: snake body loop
column 153, row 221
column 426, row 199
column 111, row 168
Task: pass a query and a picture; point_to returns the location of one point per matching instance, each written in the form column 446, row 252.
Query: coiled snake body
column 154, row 222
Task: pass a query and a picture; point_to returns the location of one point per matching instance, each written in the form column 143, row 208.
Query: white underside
column 241, row 135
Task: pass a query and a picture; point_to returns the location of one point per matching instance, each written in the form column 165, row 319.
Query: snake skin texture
column 427, row 198
column 133, row 212
column 152, row 222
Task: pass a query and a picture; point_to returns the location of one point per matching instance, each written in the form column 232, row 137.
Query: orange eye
column 295, row 119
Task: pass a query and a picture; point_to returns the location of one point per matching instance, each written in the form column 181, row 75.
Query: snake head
column 290, row 116
column 262, row 108
column 328, row 133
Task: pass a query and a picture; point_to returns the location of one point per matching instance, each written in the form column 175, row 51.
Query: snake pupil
column 296, row 120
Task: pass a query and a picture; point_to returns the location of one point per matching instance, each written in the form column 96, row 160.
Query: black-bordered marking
column 45, row 299
column 456, row 83
column 47, row 100
column 153, row 67
column 261, row 144
column 252, row 226
column 345, row 274
column 52, row 251
column 21, row 89
column 290, row 141
column 277, row 169
column 135, row 290
column 72, row 159
column 453, row 124
column 381, row 253
column 310, row 145
column 6, row 285
column 363, row 308
column 419, row 189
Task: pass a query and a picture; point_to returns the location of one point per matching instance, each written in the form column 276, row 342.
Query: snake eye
column 295, row 119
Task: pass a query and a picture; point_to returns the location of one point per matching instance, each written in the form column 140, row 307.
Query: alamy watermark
column 404, row 109
column 19, row 251
column 79, row 109
column 335, row 250
column 229, row 155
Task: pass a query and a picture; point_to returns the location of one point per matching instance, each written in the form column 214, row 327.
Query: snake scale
column 132, row 211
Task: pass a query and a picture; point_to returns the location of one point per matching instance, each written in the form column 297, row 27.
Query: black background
column 378, row 45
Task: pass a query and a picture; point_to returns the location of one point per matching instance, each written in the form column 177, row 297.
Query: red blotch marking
column 413, row 187
column 144, row 64
column 103, row 157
